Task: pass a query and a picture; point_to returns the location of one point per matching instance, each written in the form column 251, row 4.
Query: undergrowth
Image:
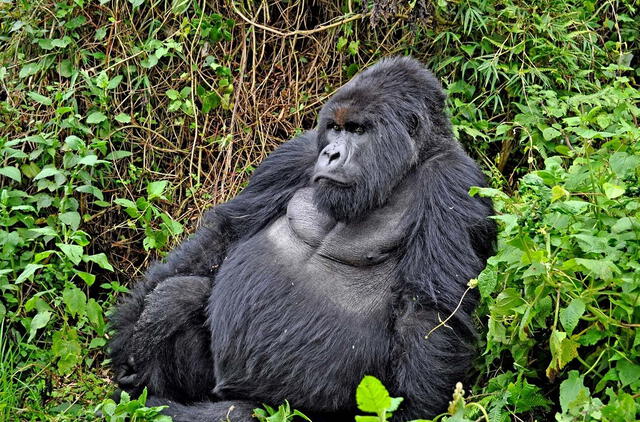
column 120, row 122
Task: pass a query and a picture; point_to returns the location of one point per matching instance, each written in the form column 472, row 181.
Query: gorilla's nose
column 332, row 156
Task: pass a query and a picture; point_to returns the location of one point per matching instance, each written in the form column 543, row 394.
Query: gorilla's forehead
column 351, row 106
column 394, row 86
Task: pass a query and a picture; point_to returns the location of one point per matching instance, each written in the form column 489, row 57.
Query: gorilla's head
column 375, row 130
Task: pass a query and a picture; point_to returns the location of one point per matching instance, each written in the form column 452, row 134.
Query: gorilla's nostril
column 333, row 156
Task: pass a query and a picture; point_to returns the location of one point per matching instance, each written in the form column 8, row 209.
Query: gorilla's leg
column 167, row 347
column 222, row 411
column 428, row 362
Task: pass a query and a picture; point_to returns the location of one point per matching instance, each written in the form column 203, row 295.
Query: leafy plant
column 131, row 410
column 373, row 397
column 282, row 414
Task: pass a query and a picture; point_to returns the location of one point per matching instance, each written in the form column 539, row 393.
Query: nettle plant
column 54, row 183
column 42, row 244
column 563, row 291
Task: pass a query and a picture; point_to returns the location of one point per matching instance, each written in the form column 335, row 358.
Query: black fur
column 321, row 272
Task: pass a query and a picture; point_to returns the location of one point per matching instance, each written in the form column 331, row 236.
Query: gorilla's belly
column 304, row 299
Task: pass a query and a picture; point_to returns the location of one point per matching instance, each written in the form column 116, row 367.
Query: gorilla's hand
column 169, row 331
column 126, row 375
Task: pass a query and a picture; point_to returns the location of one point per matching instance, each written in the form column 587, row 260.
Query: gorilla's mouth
column 325, row 178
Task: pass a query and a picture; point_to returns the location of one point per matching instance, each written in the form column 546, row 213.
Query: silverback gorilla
column 350, row 243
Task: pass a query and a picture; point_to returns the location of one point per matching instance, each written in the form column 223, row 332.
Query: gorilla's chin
column 342, row 202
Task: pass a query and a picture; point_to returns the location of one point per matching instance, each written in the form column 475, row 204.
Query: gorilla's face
column 375, row 130
column 363, row 154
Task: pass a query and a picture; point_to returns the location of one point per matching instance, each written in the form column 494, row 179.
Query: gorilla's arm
column 266, row 196
column 188, row 272
column 450, row 243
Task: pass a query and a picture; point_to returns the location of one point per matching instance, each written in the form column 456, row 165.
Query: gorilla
column 350, row 243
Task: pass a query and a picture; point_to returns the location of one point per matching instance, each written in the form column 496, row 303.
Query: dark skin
column 349, row 244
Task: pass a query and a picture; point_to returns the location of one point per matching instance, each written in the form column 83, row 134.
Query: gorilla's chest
column 363, row 243
column 306, row 298
column 348, row 264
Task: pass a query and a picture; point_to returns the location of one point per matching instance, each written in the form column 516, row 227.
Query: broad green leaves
column 570, row 316
column 562, row 288
column 37, row 322
column 373, row 397
column 96, row 117
column 11, row 173
column 39, row 98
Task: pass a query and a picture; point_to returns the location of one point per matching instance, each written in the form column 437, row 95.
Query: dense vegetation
column 121, row 121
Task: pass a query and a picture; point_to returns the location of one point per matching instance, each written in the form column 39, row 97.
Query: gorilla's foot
column 233, row 411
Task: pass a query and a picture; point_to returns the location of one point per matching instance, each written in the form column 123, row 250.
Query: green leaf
column 92, row 190
column 87, row 277
column 114, row 82
column 100, row 259
column 47, row 172
column 28, row 271
column 117, row 155
column 74, row 143
column 395, row 403
column 488, row 193
column 558, row 192
column 353, row 47
column 73, row 252
column 173, row 94
column 97, row 343
column 11, row 173
column 39, row 98
column 487, row 281
column 95, row 316
column 102, row 80
column 71, row 219
column 602, row 268
column 155, row 189
column 612, row 191
column 563, row 351
column 126, row 203
column 628, row 372
column 573, row 393
column 45, row 44
column 625, row 224
column 96, row 117
column 123, row 118
column 29, row 69
column 550, row 133
column 65, row 69
column 178, row 7
column 67, row 349
column 570, row 315
column 372, row 396
column 39, row 321
column 507, row 303
column 341, row 44
column 61, row 42
column 76, row 22
column 624, row 164
column 100, row 33
column 76, row 301
column 89, row 160
column 150, row 61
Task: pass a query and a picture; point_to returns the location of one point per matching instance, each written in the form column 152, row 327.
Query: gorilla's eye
column 334, row 126
column 359, row 130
